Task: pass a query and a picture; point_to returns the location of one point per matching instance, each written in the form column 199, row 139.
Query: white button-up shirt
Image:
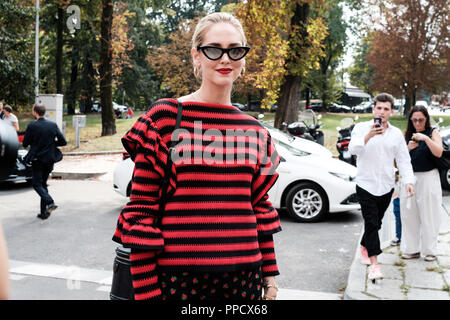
column 375, row 160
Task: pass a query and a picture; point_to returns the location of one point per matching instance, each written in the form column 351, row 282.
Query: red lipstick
column 224, row 70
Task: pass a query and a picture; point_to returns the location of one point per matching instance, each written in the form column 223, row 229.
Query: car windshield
column 288, row 146
column 284, row 134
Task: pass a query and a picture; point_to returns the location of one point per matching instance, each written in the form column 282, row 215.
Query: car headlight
column 343, row 176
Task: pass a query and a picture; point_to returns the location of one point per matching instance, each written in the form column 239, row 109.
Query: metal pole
column 36, row 51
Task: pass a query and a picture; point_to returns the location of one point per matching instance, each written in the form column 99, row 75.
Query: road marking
column 74, row 274
column 16, row 277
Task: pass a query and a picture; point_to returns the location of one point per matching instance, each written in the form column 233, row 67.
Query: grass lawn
column 91, row 139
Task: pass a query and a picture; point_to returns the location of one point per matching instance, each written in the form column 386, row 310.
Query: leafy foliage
column 16, row 62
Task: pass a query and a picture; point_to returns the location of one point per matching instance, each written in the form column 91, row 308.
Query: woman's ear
column 195, row 57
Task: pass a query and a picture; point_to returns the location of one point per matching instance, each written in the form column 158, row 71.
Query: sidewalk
column 87, row 166
column 404, row 279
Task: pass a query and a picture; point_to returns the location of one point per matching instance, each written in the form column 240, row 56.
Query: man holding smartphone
column 377, row 143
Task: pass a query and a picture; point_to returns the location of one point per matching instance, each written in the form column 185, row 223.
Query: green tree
column 16, row 52
column 287, row 43
column 410, row 51
column 361, row 73
column 323, row 81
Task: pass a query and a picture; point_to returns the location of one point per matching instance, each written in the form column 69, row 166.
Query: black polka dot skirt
column 194, row 286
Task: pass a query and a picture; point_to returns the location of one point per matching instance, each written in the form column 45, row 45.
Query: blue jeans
column 398, row 221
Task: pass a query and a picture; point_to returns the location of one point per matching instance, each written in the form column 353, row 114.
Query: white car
column 122, row 108
column 422, row 103
column 309, row 185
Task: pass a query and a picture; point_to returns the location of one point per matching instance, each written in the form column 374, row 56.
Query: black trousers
column 41, row 171
column 373, row 209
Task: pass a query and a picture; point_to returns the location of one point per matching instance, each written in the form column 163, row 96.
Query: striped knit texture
column 218, row 217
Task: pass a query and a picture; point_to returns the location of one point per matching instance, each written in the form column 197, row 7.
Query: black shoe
column 50, row 208
column 43, row 216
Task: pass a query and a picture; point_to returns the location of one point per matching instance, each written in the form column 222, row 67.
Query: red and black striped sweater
column 217, row 217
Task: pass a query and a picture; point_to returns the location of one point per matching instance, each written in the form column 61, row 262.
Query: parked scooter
column 308, row 131
column 343, row 140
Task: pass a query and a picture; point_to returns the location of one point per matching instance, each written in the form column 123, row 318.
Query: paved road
column 69, row 256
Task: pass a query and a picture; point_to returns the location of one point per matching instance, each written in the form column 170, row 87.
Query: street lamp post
column 36, row 52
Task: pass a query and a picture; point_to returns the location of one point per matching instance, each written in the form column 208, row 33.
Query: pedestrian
column 10, row 117
column 4, row 274
column 215, row 238
column 377, row 143
column 2, row 113
column 44, row 137
column 396, row 209
column 129, row 113
column 421, row 215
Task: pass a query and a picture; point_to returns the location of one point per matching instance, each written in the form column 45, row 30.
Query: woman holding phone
column 421, row 215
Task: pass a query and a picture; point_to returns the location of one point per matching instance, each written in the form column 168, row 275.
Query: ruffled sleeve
column 268, row 221
column 137, row 226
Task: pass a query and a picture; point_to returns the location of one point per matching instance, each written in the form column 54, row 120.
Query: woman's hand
column 419, row 137
column 412, row 145
column 270, row 288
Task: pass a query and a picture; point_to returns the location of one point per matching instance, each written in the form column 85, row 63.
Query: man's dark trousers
column 373, row 209
column 41, row 171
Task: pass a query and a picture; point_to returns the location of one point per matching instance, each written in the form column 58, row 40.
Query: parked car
column 340, row 108
column 21, row 171
column 253, row 106
column 315, row 106
column 96, row 107
column 309, row 185
column 240, row 106
column 119, row 107
column 422, row 103
column 364, row 107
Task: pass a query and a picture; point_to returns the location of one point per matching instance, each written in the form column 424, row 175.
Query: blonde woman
column 214, row 240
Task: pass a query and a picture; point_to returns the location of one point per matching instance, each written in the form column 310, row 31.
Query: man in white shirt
column 376, row 147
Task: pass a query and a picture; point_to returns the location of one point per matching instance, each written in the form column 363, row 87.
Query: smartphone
column 378, row 122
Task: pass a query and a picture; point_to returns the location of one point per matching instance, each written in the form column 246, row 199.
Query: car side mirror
column 282, row 159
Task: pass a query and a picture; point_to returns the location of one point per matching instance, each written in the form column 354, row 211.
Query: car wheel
column 445, row 179
column 306, row 202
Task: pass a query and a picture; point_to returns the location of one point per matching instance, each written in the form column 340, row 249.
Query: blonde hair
column 206, row 22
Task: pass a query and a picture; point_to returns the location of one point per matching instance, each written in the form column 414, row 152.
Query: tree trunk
column 59, row 50
column 90, row 90
column 290, row 91
column 289, row 99
column 108, row 121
